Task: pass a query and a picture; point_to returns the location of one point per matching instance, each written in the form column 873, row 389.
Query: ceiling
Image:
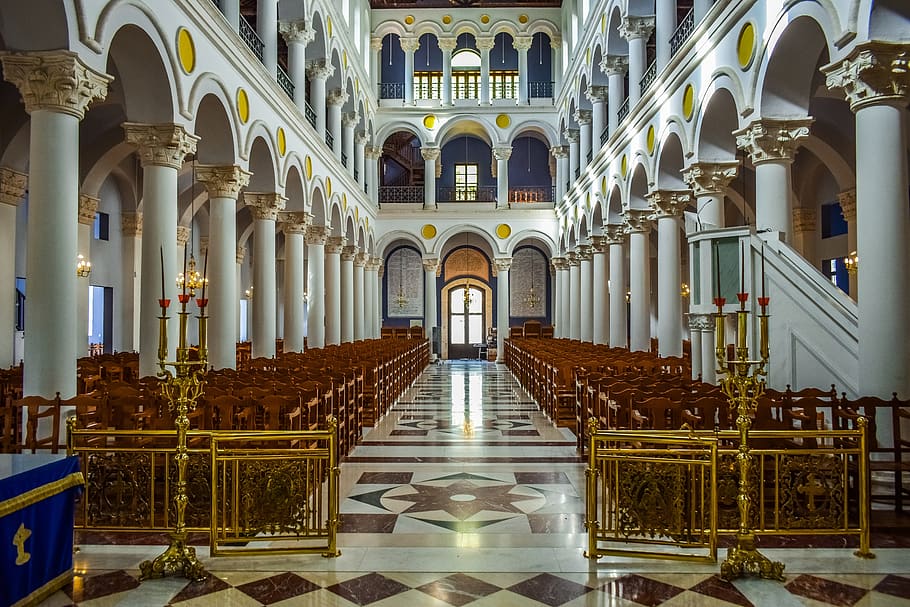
column 464, row 4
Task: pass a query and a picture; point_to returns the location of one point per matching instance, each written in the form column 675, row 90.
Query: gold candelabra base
column 745, row 559
column 177, row 558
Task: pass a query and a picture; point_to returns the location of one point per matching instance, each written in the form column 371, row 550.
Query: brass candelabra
column 743, row 386
column 181, row 388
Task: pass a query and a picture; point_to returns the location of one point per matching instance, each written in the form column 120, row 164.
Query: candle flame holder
column 743, row 386
column 181, row 387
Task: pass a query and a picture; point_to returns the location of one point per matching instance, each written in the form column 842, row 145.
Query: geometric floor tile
column 277, row 588
column 197, row 589
column 84, row 588
column 458, row 589
column 894, row 585
column 828, row 591
column 368, row 588
column 550, row 589
column 717, row 588
column 641, row 590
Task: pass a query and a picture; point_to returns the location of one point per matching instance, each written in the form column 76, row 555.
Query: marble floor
column 465, row 494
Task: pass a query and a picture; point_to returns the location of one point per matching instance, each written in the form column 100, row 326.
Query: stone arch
column 717, row 119
column 294, row 190
column 450, row 239
column 638, row 187
column 213, row 127
column 318, row 208
column 262, row 160
column 143, row 74
column 390, row 240
column 466, row 124
column 670, row 160
column 540, row 239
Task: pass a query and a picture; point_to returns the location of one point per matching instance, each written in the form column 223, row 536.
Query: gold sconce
column 83, row 267
column 249, row 293
column 851, row 261
column 684, row 291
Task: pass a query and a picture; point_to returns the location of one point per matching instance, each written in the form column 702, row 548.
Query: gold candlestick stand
column 743, row 387
column 181, row 388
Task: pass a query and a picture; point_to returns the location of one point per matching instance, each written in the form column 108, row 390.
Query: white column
column 161, row 151
column 360, row 141
column 556, row 65
column 267, row 28
column 560, row 270
column 265, row 208
column 597, row 95
column 503, row 265
column 665, row 26
column 56, row 88
column 430, row 299
column 375, row 70
column 771, row 143
column 847, row 201
column 447, row 45
column 359, row 296
column 878, row 95
column 377, row 309
column 560, row 153
column 240, row 294
column 335, row 100
column 223, row 184
column 695, row 340
column 639, row 223
column 294, row 226
column 522, row 44
column 618, row 324
column 601, row 298
column 429, row 176
column 348, row 121
column 130, row 301
column 369, row 297
column 708, row 352
column 614, row 66
column 319, row 71
column 709, row 181
column 571, row 136
column 636, row 30
column 669, row 206
column 231, row 10
column 13, row 186
column 485, row 44
column 502, row 153
column 347, row 293
column 586, row 291
column 88, row 207
column 372, row 155
column 574, row 299
column 334, row 246
column 409, row 46
column 297, row 34
column 583, row 118
column 316, row 237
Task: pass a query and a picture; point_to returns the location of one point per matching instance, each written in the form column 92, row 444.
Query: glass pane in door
column 475, row 328
column 458, row 329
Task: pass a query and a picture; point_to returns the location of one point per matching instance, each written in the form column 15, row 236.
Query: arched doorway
column 467, row 320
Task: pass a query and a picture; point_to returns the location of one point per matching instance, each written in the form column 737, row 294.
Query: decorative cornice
column 265, row 205
column 317, row 235
column 670, row 203
column 223, row 181
column 429, row 153
column 131, row 224
column 54, row 80
column 874, row 73
column 502, row 152
column 710, row 178
column 847, row 201
column 804, row 220
column 160, row 144
column 88, row 208
column 633, row 27
column 297, row 31
column 13, row 186
column 772, row 139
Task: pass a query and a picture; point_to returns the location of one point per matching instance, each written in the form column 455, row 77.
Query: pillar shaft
column 359, row 297
column 333, row 249
column 618, row 323
column 347, row 293
column 586, row 280
column 315, row 250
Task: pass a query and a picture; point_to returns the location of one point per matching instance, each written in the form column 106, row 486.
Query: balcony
column 683, row 32
column 391, row 90
column 649, row 76
column 532, row 194
column 251, row 38
column 486, row 193
column 589, row 157
column 623, row 110
column 390, row 194
column 284, row 81
column 540, row 90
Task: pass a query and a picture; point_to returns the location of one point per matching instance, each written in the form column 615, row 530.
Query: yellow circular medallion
column 344, row 201
column 428, row 231
column 186, row 50
column 603, row 23
column 356, row 214
column 409, row 20
column 328, row 187
column 503, row 121
column 308, row 167
column 688, row 102
column 243, row 106
column 603, row 186
column 522, row 18
column 447, row 19
column 624, row 166
column 745, row 45
column 344, row 59
column 484, row 19
column 651, row 139
column 328, row 25
column 503, row 230
column 282, row 142
column 429, row 121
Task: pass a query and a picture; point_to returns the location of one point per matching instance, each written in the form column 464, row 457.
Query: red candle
column 162, row 274
column 742, row 267
column 717, row 269
column 763, row 270
column 184, row 269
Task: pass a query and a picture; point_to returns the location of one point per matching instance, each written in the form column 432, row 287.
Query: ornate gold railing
column 679, row 489
column 251, row 488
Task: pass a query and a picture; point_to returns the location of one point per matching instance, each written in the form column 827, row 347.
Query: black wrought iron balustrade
column 285, row 82
column 540, row 89
column 391, row 90
column 478, row 194
column 310, row 114
column 251, row 38
column 648, row 78
column 401, row 194
column 683, row 32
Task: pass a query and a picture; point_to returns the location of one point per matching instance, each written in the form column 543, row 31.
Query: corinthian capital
column 409, row 45
column 503, row 264
column 670, row 203
column 334, row 245
column 447, row 45
column 88, row 208
column 616, row 233
column 12, row 186
column 583, row 117
column 559, row 151
column 430, row 153
column 874, row 73
column 772, row 139
column 264, row 205
column 160, row 144
column 638, row 220
column 485, row 44
column 131, row 224
column 636, row 27
column 317, row 235
column 337, row 97
column 54, row 80
column 614, row 65
column 294, row 223
column 522, row 43
column 298, row 31
column 502, row 152
column 710, row 178
column 847, row 201
column 319, row 69
column 597, row 94
column 223, row 181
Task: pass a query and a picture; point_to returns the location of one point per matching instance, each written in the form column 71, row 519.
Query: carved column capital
column 484, row 44
column 223, row 181
column 409, row 44
column 447, row 44
column 847, row 201
column 670, row 203
column 634, row 26
column 294, row 223
column 503, row 264
column 559, row 263
column 54, row 80
column 319, row 69
column 131, row 224
column 361, row 260
column 88, row 208
column 874, row 73
column 701, row 322
column 241, row 253
column 430, row 153
column 597, row 94
column 599, row 244
column 804, row 220
column 710, row 178
column 317, row 235
column 638, row 221
column 772, row 139
column 375, row 44
column 614, row 65
column 183, row 235
column 13, row 186
column 160, row 144
column 348, row 253
column 585, row 252
column 337, row 97
column 572, row 259
column 297, row 31
column 616, row 233
column 583, row 117
column 522, row 43
column 502, row 152
column 430, row 264
column 264, row 205
column 571, row 135
column 559, row 151
column 335, row 244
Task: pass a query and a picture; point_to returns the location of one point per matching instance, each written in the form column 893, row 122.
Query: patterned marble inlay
column 550, row 589
column 368, row 589
column 458, row 589
column 828, row 591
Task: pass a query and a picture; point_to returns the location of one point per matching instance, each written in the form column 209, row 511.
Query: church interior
column 454, row 302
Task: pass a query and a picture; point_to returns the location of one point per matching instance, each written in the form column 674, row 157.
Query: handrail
column 251, row 38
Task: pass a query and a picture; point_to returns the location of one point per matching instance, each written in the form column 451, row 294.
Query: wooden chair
column 45, row 413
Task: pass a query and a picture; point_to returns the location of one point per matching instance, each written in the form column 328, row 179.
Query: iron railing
column 505, row 90
column 482, row 193
column 577, row 172
column 540, row 89
column 285, row 82
column 329, row 139
column 391, row 90
column 648, row 78
column 251, row 38
column 623, row 110
column 344, row 160
column 310, row 114
column 532, row 194
column 590, row 156
column 356, row 174
column 683, row 32
column 401, row 193
column 604, row 135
